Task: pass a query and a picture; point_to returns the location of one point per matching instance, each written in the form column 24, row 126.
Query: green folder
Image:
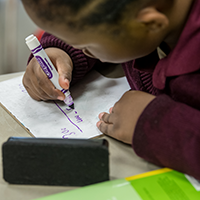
column 162, row 184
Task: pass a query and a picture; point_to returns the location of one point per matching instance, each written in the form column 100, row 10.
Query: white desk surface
column 123, row 161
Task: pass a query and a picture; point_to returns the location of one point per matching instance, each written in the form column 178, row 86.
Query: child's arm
column 71, row 64
column 170, row 135
column 166, row 132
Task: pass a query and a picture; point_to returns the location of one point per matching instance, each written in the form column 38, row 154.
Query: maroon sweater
column 168, row 131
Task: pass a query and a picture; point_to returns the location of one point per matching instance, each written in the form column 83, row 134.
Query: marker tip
column 72, row 106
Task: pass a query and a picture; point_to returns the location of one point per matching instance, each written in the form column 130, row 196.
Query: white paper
column 93, row 95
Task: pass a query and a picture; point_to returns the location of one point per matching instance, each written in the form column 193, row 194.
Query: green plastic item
column 162, row 184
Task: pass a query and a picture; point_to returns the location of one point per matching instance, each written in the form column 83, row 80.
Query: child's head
column 111, row 30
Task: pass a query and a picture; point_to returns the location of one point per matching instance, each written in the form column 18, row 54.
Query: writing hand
column 121, row 120
column 37, row 83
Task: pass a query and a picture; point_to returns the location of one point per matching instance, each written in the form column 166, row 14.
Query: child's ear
column 154, row 20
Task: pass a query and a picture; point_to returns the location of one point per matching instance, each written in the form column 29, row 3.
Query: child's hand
column 120, row 123
column 37, row 83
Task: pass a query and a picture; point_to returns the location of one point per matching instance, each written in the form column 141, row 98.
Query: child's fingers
column 38, row 85
column 110, row 110
column 105, row 117
column 105, row 125
column 43, row 90
column 105, row 128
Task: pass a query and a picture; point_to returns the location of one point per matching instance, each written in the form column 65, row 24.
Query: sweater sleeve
column 168, row 131
column 82, row 64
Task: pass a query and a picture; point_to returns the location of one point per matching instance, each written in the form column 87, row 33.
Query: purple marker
column 47, row 66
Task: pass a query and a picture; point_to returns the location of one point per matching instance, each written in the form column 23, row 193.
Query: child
column 157, row 42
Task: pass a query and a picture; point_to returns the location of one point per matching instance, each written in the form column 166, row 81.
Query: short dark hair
column 105, row 11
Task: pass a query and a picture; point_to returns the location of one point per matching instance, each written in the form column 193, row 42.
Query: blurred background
column 15, row 25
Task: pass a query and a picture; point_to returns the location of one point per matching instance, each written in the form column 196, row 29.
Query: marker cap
column 32, row 42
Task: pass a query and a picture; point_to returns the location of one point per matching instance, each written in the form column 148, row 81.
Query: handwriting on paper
column 66, row 133
column 22, row 88
column 66, row 110
column 66, row 115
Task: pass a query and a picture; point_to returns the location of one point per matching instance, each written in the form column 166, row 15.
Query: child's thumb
column 64, row 67
column 64, row 81
column 65, row 74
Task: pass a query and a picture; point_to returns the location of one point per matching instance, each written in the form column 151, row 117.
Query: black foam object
column 64, row 162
